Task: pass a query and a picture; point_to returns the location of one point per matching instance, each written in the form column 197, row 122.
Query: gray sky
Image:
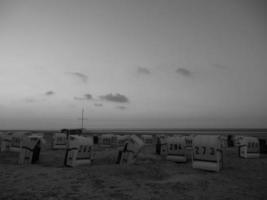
column 133, row 64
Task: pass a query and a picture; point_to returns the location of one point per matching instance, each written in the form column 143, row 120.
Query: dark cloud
column 49, row 93
column 184, row 72
column 121, row 107
column 143, row 70
column 85, row 97
column 79, row 75
column 88, row 96
column 98, row 104
column 118, row 98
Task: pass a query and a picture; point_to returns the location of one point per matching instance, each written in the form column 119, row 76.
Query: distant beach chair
column 79, row 151
column 249, row 147
column 5, row 142
column 161, row 145
column 16, row 141
column 147, row 139
column 176, row 149
column 121, row 139
column 130, row 151
column 59, row 141
column 189, row 142
column 263, row 146
column 30, row 150
column 108, row 140
column 207, row 153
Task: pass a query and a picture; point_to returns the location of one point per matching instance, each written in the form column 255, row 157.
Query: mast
column 82, row 119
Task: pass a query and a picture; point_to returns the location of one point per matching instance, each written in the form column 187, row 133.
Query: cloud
column 30, row 100
column 33, row 100
column 98, row 104
column 184, row 72
column 118, row 98
column 121, row 107
column 85, row 97
column 79, row 75
column 49, row 93
column 88, row 96
column 143, row 70
column 78, row 98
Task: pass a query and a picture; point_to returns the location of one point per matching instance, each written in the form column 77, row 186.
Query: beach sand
column 152, row 177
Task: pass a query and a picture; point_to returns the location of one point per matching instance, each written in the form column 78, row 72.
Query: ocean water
column 260, row 133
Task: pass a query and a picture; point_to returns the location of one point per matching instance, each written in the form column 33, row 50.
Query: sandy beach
column 152, row 177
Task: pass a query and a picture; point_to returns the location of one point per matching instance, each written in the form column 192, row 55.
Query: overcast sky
column 133, row 64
